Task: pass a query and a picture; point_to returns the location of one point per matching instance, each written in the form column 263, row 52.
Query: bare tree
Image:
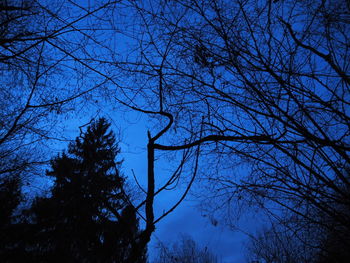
column 39, row 80
column 262, row 84
column 277, row 244
column 297, row 241
column 257, row 86
column 185, row 250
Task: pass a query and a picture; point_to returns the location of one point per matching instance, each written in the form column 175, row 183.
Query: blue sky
column 187, row 218
column 131, row 128
column 140, row 85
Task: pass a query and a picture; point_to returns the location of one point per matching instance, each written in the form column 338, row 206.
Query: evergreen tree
column 87, row 218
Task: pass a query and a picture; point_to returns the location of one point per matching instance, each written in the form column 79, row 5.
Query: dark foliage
column 87, row 218
column 10, row 197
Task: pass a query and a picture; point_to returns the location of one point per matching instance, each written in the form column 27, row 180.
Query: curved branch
column 214, row 138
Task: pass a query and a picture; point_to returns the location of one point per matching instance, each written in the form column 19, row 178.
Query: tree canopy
column 252, row 95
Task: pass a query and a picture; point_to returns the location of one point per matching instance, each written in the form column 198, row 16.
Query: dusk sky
column 187, row 219
column 232, row 118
